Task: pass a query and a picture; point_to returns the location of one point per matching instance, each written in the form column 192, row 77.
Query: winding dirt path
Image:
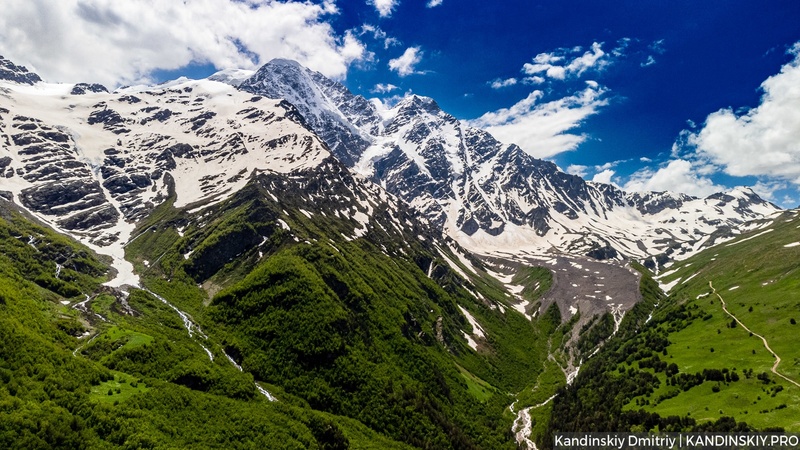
column 763, row 339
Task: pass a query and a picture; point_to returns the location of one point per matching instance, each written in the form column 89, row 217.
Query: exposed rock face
column 110, row 156
column 85, row 88
column 329, row 108
column 489, row 194
column 96, row 163
column 18, row 74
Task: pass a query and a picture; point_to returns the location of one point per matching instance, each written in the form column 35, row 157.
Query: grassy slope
column 50, row 398
column 759, row 273
column 345, row 333
column 348, row 325
column 676, row 370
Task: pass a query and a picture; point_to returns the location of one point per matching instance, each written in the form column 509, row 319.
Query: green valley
column 362, row 343
column 690, row 365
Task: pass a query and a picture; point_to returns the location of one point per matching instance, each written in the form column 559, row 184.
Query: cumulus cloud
column 500, row 84
column 433, row 3
column 567, row 62
column 533, row 80
column 381, row 88
column 385, row 8
column 763, row 141
column 604, row 177
column 678, row 175
column 768, row 190
column 577, row 169
column 114, row 42
column 542, row 129
column 406, row 64
column 608, row 165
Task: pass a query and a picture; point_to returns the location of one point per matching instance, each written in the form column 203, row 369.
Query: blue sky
column 664, row 64
column 644, row 94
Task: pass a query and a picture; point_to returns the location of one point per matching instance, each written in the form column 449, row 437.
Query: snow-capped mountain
column 491, row 195
column 340, row 118
column 92, row 163
column 19, row 74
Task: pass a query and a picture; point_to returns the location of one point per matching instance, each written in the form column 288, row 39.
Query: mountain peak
column 18, row 74
column 284, row 62
column 340, row 118
column 233, row 77
column 743, row 192
column 744, row 197
column 416, row 102
column 477, row 188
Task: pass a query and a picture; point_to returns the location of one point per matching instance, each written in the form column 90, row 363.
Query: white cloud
column 563, row 62
column 608, row 165
column 679, row 175
column 767, row 190
column 381, row 88
column 385, row 8
column 542, row 129
column 385, row 104
column 577, row 169
column 604, row 177
column 648, row 62
column 373, row 31
column 500, row 84
column 534, row 80
column 622, row 47
column 390, row 42
column 406, row 64
column 433, row 3
column 114, row 42
column 763, row 141
column 379, row 35
column 658, row 46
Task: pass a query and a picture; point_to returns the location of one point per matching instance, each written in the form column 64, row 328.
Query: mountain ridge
column 338, row 274
column 473, row 186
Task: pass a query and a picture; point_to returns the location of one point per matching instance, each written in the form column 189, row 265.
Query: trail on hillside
column 763, row 339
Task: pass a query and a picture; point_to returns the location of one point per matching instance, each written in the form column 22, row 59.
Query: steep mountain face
column 328, row 107
column 18, row 74
column 86, row 366
column 92, row 163
column 260, row 220
column 222, row 209
column 493, row 196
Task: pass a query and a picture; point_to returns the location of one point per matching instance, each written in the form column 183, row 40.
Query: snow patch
column 751, row 237
column 477, row 330
column 666, row 287
column 471, row 342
